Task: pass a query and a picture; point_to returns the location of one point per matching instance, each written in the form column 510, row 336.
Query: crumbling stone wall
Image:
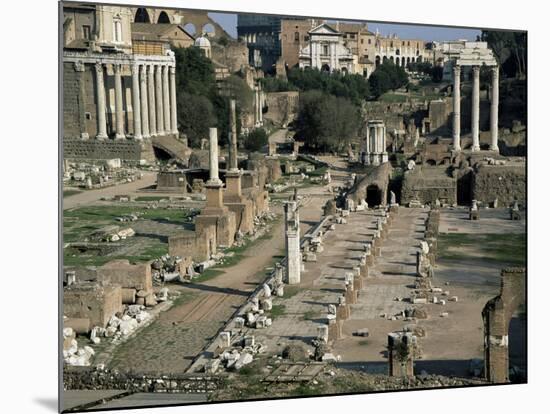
column 79, row 108
column 496, row 315
column 376, row 176
column 103, row 150
column 282, row 107
column 505, row 182
column 92, row 301
column 130, row 276
column 199, row 245
column 427, row 186
column 234, row 55
column 172, row 180
column 439, row 114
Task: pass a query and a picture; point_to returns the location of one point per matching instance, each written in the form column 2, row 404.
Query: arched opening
column 419, row 59
column 374, row 195
column 391, row 59
column 190, row 28
column 209, row 29
column 408, row 60
column 142, row 16
column 161, row 154
column 403, row 62
column 163, row 18
column 384, row 59
column 344, row 71
column 325, row 68
column 377, row 60
column 397, row 52
column 397, row 62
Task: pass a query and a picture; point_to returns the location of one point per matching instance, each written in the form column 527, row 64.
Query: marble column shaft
column 166, row 96
column 159, row 100
column 213, row 152
column 152, row 100
column 475, row 108
column 144, row 102
column 233, row 165
column 119, row 115
column 136, row 104
column 101, row 120
column 456, row 108
column 494, row 108
column 173, row 107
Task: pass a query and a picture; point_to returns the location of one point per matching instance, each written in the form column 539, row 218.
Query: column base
column 494, row 149
column 138, row 137
column 175, row 132
column 475, row 149
column 161, row 133
column 84, row 135
column 146, row 136
column 120, row 136
column 101, row 136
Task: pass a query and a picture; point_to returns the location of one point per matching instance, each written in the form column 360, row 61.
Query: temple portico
column 135, row 95
column 475, row 55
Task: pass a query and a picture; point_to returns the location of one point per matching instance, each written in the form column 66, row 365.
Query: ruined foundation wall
column 282, row 107
column 427, row 189
column 93, row 149
column 505, row 182
column 497, row 314
column 122, row 273
column 96, row 303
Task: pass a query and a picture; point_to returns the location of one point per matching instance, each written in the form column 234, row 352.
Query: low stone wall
column 126, row 275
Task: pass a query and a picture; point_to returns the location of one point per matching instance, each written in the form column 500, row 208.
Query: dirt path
column 91, row 196
column 179, row 334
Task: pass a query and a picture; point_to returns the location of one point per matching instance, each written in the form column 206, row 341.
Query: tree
column 195, row 116
column 256, row 139
column 508, row 45
column 326, row 122
column 194, row 72
column 387, row 76
column 351, row 86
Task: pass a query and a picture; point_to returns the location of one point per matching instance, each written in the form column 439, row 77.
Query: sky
column 437, row 33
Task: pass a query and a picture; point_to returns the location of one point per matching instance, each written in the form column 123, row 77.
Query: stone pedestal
column 400, row 354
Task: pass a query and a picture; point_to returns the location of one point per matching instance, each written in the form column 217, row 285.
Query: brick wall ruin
column 496, row 315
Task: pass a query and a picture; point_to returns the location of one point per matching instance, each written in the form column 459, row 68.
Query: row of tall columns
column 153, row 101
column 475, row 108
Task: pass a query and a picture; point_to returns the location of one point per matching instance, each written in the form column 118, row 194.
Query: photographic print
column 262, row 206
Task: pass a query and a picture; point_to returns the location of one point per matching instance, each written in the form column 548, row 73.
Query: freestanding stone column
column 144, row 101
column 159, row 101
column 475, row 109
column 173, row 107
column 101, row 121
column 233, row 164
column 456, row 108
column 136, row 102
column 152, row 100
column 293, row 254
column 118, row 104
column 494, row 109
column 213, row 153
column 166, row 96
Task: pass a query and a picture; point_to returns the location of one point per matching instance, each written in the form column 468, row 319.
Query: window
column 117, row 30
column 306, row 38
column 325, row 49
column 362, row 41
column 86, row 32
column 408, row 43
column 369, row 41
column 296, row 36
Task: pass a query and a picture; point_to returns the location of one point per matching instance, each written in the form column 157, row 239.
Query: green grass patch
column 277, row 310
column 309, row 315
column 68, row 193
column 208, row 274
column 290, row 291
column 150, row 198
column 506, row 249
column 392, row 97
